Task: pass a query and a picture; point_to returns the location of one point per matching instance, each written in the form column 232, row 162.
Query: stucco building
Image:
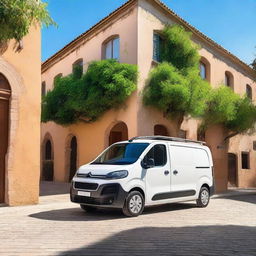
column 20, row 97
column 130, row 34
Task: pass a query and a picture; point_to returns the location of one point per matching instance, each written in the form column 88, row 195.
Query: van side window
column 158, row 153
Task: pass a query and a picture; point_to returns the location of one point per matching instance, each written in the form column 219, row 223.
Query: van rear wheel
column 134, row 204
column 204, row 197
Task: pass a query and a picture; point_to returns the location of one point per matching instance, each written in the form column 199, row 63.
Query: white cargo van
column 145, row 171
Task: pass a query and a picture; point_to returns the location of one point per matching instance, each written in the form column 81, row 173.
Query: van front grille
column 86, row 185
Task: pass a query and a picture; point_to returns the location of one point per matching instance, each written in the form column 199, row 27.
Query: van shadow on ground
column 190, row 241
column 77, row 214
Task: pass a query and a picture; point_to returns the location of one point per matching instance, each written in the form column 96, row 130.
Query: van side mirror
column 147, row 163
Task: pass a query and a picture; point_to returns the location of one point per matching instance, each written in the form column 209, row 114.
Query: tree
column 236, row 114
column 16, row 17
column 175, row 86
column 254, row 64
column 105, row 85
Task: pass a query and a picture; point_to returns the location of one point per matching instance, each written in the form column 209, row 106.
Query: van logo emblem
column 89, row 174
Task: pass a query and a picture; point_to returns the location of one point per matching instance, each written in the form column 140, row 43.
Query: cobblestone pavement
column 57, row 227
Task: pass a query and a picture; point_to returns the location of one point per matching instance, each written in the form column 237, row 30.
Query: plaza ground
column 58, row 227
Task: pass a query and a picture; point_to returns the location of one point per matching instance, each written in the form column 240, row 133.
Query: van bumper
column 109, row 195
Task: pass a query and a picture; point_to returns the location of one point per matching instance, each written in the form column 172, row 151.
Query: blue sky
column 231, row 23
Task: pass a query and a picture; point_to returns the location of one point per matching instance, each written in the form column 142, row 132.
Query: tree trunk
column 215, row 139
column 177, row 122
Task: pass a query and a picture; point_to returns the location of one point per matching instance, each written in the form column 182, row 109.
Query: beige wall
column 93, row 138
column 22, row 69
column 151, row 19
column 135, row 29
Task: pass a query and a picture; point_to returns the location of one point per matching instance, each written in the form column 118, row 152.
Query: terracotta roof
column 73, row 44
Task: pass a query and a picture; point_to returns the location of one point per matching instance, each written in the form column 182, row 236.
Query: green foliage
column 175, row 86
column 237, row 114
column 175, row 94
column 105, row 85
column 178, row 48
column 16, row 17
column 254, row 64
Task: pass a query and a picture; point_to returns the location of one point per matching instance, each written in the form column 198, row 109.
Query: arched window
column 119, row 132
column 160, row 130
column 56, row 78
column 205, row 69
column 111, row 48
column 43, row 89
column 78, row 64
column 48, row 150
column 157, row 44
column 229, row 79
column 249, row 91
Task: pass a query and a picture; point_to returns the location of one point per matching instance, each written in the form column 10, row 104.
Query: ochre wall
column 23, row 71
column 135, row 29
column 93, row 138
column 150, row 19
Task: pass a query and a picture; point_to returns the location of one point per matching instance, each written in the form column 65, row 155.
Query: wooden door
column 115, row 136
column 73, row 158
column 232, row 170
column 4, row 120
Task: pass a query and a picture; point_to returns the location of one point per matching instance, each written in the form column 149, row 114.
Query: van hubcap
column 204, row 197
column 135, row 204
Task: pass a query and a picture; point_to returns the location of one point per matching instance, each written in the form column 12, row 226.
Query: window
column 157, row 42
column 229, row 80
column 254, row 145
column 43, row 89
column 158, row 153
column 77, row 63
column 249, row 91
column 112, row 49
column 122, row 153
column 205, row 69
column 56, row 78
column 202, row 70
column 245, row 160
column 182, row 134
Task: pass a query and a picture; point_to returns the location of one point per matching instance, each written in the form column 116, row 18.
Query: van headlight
column 117, row 174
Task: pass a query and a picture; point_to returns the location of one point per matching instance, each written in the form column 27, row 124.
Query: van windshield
column 123, row 153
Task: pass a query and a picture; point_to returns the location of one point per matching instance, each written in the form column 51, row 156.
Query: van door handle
column 166, row 172
column 175, row 172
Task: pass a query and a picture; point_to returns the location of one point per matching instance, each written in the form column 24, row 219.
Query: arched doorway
column 232, row 170
column 5, row 93
column 118, row 133
column 73, row 158
column 160, row 130
column 48, row 163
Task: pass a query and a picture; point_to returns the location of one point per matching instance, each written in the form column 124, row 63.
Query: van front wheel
column 134, row 204
column 204, row 197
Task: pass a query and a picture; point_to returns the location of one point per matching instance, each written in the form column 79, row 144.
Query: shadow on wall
column 48, row 188
column 198, row 240
column 77, row 214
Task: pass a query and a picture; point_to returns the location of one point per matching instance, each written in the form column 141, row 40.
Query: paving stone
column 58, row 227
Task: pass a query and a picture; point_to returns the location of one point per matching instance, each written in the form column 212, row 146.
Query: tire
column 203, row 198
column 88, row 208
column 134, row 204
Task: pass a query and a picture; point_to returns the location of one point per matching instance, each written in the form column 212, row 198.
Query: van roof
column 166, row 138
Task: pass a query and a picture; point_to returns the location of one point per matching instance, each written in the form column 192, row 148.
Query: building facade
column 20, row 97
column 130, row 34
